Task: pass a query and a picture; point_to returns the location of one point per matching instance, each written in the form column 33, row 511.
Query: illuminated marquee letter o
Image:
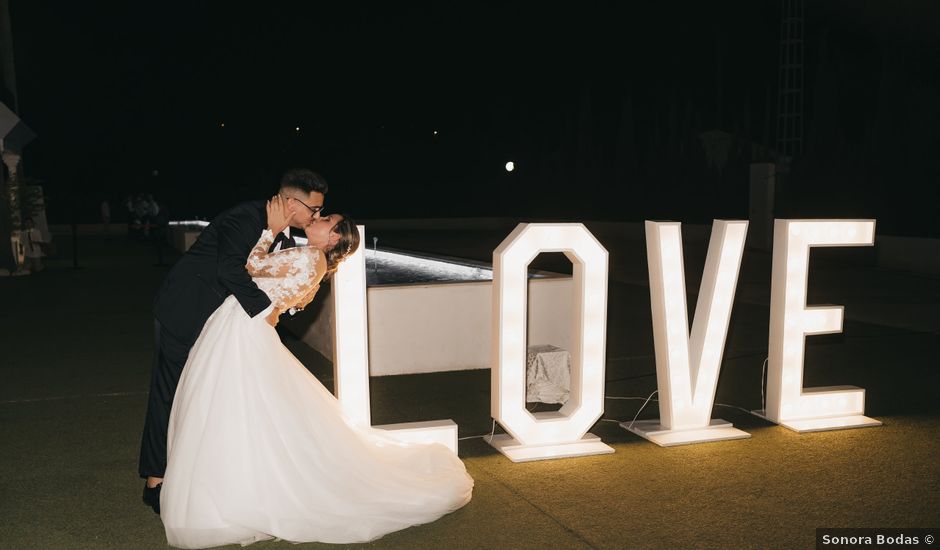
column 510, row 285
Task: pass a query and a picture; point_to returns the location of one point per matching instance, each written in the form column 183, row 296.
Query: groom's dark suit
column 211, row 270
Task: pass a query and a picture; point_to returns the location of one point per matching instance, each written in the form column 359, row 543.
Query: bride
column 259, row 449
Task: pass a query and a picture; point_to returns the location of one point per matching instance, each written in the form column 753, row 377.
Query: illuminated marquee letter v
column 687, row 365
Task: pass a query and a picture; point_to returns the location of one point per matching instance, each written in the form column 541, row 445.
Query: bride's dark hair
column 347, row 244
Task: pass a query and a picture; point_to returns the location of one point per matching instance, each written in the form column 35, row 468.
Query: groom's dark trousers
column 211, row 270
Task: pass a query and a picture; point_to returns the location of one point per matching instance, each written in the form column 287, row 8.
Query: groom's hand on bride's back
column 305, row 301
column 299, row 306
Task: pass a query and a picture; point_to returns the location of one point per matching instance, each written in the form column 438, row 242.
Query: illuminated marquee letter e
column 788, row 403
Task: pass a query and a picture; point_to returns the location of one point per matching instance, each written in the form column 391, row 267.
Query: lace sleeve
column 297, row 269
column 297, row 291
column 276, row 264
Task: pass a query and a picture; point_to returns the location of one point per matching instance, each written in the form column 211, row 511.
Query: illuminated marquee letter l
column 351, row 356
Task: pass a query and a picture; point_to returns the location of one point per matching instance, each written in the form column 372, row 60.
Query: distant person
column 106, row 215
column 33, row 243
column 159, row 222
column 140, row 211
column 153, row 208
column 149, row 210
column 133, row 218
column 259, row 449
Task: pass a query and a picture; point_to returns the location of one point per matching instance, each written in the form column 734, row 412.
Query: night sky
column 601, row 105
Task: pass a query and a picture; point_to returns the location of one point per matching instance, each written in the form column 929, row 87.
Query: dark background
column 601, row 105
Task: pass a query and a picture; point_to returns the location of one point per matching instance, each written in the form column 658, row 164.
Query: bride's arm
column 258, row 261
column 306, row 268
column 283, row 263
column 304, row 294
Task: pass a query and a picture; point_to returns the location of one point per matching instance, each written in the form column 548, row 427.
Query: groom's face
column 302, row 205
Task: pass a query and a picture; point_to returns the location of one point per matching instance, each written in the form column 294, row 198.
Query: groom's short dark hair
column 304, row 180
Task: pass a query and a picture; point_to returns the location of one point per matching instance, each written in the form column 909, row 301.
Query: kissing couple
column 241, row 443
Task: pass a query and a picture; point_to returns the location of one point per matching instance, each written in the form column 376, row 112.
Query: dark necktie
column 286, row 242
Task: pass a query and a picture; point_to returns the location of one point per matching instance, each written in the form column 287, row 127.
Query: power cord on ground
column 646, row 401
column 763, row 369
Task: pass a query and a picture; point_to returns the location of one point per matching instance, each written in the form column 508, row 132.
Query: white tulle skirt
column 259, row 449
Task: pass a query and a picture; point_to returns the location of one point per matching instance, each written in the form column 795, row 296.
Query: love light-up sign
column 351, row 357
column 687, row 365
column 559, row 433
column 788, row 403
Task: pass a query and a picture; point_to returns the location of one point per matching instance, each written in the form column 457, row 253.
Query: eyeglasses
column 313, row 209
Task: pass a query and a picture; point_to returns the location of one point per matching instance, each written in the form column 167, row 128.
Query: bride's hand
column 278, row 217
column 273, row 317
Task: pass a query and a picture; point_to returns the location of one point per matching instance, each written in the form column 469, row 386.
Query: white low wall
column 440, row 327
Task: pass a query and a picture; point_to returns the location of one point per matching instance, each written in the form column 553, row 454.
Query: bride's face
column 320, row 231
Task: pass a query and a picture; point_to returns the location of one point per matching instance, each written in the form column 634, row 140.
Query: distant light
column 222, row 125
column 297, row 128
column 510, row 166
column 435, row 132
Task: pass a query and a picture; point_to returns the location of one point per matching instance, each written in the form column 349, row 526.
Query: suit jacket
column 211, row 270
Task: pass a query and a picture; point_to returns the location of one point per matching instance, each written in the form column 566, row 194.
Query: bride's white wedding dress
column 259, row 449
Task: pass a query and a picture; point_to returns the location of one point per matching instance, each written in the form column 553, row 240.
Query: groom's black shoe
column 152, row 497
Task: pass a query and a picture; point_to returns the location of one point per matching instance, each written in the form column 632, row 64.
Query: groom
column 211, row 270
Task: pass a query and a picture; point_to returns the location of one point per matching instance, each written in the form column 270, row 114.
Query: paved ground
column 76, row 359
